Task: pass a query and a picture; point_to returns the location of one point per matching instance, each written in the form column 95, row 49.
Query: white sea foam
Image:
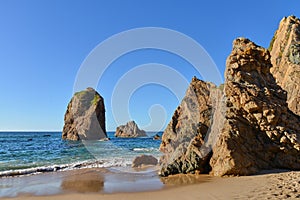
column 145, row 149
column 117, row 162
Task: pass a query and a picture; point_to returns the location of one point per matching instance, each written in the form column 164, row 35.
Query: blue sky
column 43, row 44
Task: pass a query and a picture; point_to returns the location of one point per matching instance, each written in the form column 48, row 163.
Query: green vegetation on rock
column 80, row 93
column 95, row 100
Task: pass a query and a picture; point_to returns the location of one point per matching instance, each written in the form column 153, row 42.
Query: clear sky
column 43, row 44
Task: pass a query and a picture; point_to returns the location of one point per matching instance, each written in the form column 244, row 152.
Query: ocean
column 37, row 152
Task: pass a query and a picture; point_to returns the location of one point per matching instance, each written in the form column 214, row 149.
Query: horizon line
column 60, row 131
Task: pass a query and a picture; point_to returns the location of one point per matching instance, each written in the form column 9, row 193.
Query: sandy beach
column 90, row 184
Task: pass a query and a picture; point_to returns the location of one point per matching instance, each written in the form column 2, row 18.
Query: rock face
column 183, row 139
column 285, row 58
column 130, row 130
column 144, row 160
column 260, row 132
column 253, row 129
column 85, row 117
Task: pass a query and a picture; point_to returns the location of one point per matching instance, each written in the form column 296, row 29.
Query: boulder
column 144, row 160
column 285, row 58
column 130, row 130
column 85, row 117
column 250, row 129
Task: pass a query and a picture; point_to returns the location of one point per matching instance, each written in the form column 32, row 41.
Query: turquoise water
column 31, row 152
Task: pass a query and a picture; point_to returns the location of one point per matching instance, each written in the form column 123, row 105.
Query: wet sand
column 96, row 180
column 116, row 185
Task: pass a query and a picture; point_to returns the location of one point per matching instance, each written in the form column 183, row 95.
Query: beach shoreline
column 85, row 180
column 95, row 183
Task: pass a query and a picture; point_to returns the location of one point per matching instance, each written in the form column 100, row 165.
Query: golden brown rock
column 285, row 57
column 257, row 130
column 183, row 141
column 258, row 120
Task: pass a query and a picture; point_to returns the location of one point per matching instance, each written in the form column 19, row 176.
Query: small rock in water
column 156, row 137
column 143, row 160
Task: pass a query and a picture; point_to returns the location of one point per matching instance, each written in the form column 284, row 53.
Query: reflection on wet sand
column 184, row 179
column 87, row 181
column 96, row 180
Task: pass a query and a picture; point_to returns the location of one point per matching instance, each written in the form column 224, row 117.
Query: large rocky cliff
column 85, row 117
column 285, row 57
column 252, row 129
column 260, row 132
column 183, row 141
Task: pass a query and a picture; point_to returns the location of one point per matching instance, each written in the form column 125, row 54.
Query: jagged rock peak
column 285, row 52
column 130, row 130
column 254, row 128
column 249, row 63
column 85, row 117
column 260, row 132
column 187, row 131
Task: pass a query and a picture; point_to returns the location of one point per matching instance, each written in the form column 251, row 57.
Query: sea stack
column 250, row 128
column 85, row 117
column 285, row 58
column 130, row 130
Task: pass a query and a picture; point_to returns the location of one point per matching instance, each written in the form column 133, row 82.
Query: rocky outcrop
column 144, row 160
column 285, row 58
column 253, row 129
column 85, row 117
column 183, row 139
column 130, row 130
column 260, row 132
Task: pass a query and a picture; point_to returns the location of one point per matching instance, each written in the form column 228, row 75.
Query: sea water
column 36, row 152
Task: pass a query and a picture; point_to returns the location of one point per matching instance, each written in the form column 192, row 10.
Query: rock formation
column 130, row 130
column 185, row 134
column 253, row 129
column 285, row 58
column 260, row 132
column 85, row 117
column 144, row 160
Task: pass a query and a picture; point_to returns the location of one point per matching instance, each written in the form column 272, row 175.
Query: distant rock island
column 130, row 130
column 85, row 117
column 253, row 120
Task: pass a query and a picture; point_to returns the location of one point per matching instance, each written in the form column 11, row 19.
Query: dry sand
column 271, row 185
